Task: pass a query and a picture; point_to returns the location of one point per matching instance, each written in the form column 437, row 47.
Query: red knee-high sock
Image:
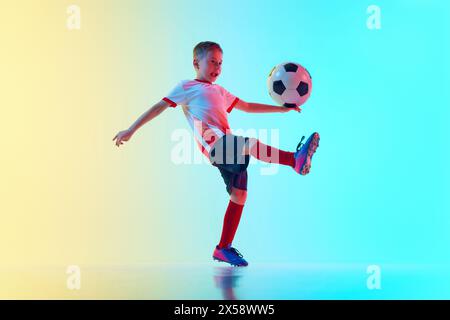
column 270, row 154
column 230, row 223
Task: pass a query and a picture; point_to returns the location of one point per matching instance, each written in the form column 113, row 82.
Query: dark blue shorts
column 226, row 155
column 236, row 180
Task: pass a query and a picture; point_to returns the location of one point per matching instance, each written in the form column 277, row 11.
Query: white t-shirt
column 206, row 107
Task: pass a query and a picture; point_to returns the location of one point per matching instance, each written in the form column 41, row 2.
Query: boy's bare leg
column 268, row 153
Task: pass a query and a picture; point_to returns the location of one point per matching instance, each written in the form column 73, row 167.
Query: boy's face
column 210, row 66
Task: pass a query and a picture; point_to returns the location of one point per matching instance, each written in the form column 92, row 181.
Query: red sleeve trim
column 232, row 105
column 170, row 102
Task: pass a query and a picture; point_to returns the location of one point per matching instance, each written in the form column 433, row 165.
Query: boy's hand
column 124, row 135
column 298, row 109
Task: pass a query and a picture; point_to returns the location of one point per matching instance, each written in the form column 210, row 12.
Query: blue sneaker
column 304, row 153
column 230, row 255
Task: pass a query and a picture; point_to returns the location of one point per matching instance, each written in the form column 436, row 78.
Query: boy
column 206, row 106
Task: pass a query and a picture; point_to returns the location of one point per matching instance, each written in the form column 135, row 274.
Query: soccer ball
column 289, row 84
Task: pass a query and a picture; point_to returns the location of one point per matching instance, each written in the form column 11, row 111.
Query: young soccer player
column 206, row 106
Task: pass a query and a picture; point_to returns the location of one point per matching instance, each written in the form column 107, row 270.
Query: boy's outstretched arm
column 151, row 113
column 262, row 108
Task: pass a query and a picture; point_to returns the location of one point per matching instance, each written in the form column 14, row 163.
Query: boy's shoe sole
column 311, row 150
column 234, row 265
column 312, row 147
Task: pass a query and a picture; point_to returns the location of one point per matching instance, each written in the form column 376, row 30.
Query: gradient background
column 377, row 192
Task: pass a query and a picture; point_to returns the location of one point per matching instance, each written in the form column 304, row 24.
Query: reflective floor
column 218, row 281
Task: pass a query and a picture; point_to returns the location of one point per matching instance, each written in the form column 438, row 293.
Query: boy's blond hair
column 202, row 48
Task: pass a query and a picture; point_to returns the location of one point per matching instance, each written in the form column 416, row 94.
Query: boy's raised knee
column 251, row 143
